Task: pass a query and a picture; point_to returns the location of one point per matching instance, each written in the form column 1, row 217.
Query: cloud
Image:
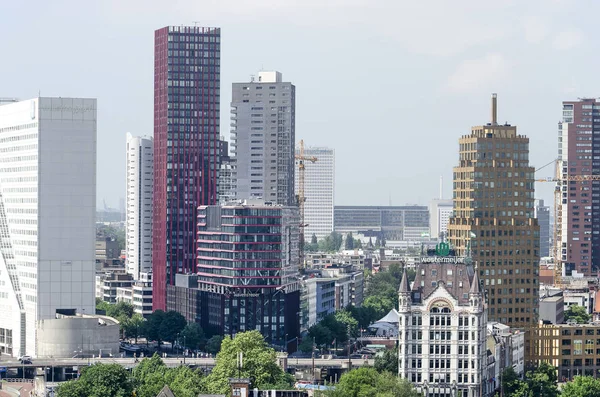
column 536, row 29
column 568, row 39
column 475, row 73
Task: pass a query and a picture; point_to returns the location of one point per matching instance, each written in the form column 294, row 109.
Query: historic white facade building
column 442, row 331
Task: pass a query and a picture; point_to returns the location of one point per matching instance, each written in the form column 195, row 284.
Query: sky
column 391, row 85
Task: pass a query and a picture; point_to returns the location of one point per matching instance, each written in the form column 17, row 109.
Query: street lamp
column 184, row 344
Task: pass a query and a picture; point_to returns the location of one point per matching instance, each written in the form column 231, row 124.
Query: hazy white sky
column 390, row 84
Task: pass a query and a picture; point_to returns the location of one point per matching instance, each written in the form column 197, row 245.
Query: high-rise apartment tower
column 47, row 215
column 319, row 190
column 186, row 145
column 140, row 185
column 542, row 214
column 494, row 218
column 263, row 134
column 578, row 153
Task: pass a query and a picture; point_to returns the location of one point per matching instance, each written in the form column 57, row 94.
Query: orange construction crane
column 301, row 198
column 560, row 181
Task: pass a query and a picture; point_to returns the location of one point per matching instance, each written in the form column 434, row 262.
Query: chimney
column 494, row 109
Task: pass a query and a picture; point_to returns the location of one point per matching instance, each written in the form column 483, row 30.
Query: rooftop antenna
column 494, row 109
column 252, row 78
column 195, row 23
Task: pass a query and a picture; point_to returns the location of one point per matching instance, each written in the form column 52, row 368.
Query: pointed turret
column 475, row 284
column 404, row 299
column 404, row 286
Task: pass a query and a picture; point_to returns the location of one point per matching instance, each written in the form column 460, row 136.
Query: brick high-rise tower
column 186, row 145
column 494, row 215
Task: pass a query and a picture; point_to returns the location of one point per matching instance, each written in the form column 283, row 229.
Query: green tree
column 349, row 241
column 345, row 317
column 511, row 382
column 171, row 326
column 388, row 361
column 133, row 326
column 358, row 243
column 152, row 326
column 193, row 335
column 543, row 380
column 151, row 375
column 306, row 346
column 99, row 380
column 367, row 382
column 214, row 344
column 364, row 315
column 313, row 239
column 259, row 363
column 578, row 314
column 581, row 386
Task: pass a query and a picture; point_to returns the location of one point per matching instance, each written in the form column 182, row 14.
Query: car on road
column 23, row 358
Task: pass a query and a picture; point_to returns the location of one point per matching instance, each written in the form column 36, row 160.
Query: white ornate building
column 443, row 331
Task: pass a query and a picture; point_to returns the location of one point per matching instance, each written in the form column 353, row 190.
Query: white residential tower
column 140, row 185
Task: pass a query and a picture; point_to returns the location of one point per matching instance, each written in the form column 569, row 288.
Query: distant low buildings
column 401, row 223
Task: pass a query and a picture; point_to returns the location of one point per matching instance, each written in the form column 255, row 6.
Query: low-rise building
column 317, row 300
column 108, row 283
column 574, row 349
column 82, row 335
column 552, row 309
column 507, row 347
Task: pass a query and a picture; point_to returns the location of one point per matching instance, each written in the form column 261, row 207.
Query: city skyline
column 458, row 71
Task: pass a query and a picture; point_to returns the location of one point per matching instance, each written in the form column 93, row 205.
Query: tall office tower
column 578, row 152
column 186, row 145
column 225, row 183
column 247, row 276
column 493, row 213
column 263, row 134
column 440, row 211
column 140, row 185
column 47, row 215
column 319, row 190
column 542, row 214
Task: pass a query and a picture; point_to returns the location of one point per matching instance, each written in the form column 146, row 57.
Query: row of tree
column 332, row 243
column 259, row 364
column 160, row 326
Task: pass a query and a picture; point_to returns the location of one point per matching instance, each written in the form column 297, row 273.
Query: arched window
column 440, row 316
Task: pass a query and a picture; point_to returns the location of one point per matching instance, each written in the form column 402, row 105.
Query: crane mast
column 301, row 198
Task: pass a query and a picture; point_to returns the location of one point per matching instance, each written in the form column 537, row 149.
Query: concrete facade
column 263, row 138
column 139, row 191
column 67, row 336
column 552, row 309
column 47, row 214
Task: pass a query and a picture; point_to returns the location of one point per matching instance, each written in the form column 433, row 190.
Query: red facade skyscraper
column 186, row 145
column 579, row 153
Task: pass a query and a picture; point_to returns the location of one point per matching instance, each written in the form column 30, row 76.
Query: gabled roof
column 166, row 392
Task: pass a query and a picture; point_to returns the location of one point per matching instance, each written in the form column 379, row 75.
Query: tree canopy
column 578, row 314
column 367, row 382
column 259, row 364
column 99, row 380
column 581, row 386
column 542, row 381
column 388, row 361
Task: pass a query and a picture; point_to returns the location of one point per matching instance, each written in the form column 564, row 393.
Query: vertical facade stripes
column 186, row 145
column 579, row 153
